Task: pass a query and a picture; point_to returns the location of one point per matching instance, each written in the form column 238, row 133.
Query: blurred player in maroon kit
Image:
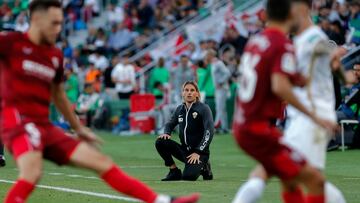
column 33, row 75
column 268, row 73
column 2, row 156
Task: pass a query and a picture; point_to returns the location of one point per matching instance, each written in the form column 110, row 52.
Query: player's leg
column 87, row 157
column 223, row 111
column 313, row 180
column 252, row 190
column 168, row 149
column 292, row 192
column 29, row 163
column 311, row 140
column 333, row 194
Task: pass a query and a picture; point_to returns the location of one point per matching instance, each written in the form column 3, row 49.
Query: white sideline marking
column 351, row 178
column 95, row 194
column 74, row 176
column 157, row 166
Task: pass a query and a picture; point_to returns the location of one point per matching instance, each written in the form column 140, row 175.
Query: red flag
column 180, row 45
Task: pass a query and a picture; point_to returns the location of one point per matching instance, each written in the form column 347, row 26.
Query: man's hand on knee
column 194, row 158
column 164, row 137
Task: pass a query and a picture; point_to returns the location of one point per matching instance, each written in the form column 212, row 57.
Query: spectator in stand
column 159, row 74
column 77, row 59
column 87, row 103
column 4, row 9
column 115, row 14
column 191, row 52
column 17, row 8
column 205, row 80
column 91, row 8
column 130, row 21
column 21, row 23
column 212, row 44
column 108, row 83
column 178, row 76
column 81, row 76
column 100, row 61
column 123, row 76
column 71, row 84
column 101, row 39
column 66, row 49
column 336, row 33
column 120, row 38
column 221, row 76
column 145, row 14
column 324, row 24
column 355, row 21
column 340, row 13
column 91, row 38
column 233, row 38
column 200, row 53
column 91, row 73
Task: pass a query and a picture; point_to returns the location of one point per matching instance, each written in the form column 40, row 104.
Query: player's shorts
column 308, row 138
column 261, row 140
column 20, row 137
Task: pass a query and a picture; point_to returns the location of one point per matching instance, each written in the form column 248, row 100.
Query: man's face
column 49, row 23
column 184, row 61
column 208, row 58
column 298, row 14
column 354, row 8
column 189, row 93
column 357, row 71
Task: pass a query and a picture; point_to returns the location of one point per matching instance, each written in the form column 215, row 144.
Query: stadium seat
column 342, row 123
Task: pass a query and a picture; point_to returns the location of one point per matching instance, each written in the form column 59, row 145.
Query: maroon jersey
column 28, row 71
column 266, row 53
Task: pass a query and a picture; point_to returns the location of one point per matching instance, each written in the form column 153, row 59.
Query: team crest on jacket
column 194, row 114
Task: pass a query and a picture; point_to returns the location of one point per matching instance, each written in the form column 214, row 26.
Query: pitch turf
column 138, row 157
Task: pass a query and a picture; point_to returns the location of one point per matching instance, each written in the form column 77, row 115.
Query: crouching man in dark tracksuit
column 196, row 130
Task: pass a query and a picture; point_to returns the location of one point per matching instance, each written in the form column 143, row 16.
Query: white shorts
column 307, row 138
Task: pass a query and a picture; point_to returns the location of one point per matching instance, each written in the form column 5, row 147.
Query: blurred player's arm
column 208, row 134
column 63, row 104
column 325, row 47
column 282, row 87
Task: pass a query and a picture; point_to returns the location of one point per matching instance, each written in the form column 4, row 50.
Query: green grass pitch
column 139, row 158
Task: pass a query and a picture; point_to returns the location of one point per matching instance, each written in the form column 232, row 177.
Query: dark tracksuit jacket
column 196, row 127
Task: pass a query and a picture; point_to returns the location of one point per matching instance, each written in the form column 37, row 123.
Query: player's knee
column 316, row 179
column 32, row 174
column 190, row 176
column 106, row 160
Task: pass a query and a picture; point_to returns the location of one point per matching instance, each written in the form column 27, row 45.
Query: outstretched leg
column 87, row 157
column 30, row 166
column 252, row 190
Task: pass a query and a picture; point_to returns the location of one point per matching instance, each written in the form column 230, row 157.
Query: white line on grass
column 355, row 178
column 95, row 194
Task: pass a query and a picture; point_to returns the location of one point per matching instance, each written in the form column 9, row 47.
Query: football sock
column 251, row 191
column 315, row 199
column 295, row 196
column 123, row 183
column 333, row 194
column 19, row 192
